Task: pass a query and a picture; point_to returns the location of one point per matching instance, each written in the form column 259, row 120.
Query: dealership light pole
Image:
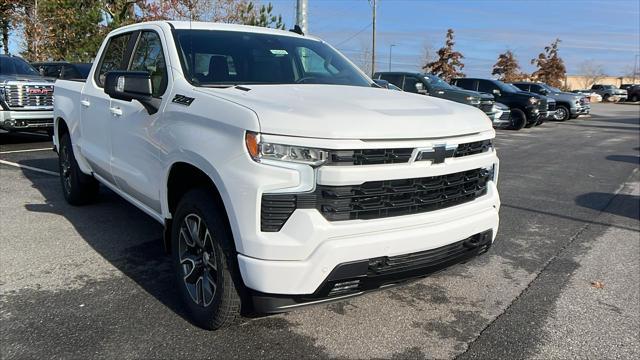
column 390, row 47
column 373, row 40
column 301, row 15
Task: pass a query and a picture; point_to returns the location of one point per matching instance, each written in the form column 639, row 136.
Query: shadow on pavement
column 622, row 205
column 633, row 159
column 123, row 235
column 21, row 138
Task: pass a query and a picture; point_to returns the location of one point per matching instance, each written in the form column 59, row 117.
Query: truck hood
column 25, row 78
column 351, row 112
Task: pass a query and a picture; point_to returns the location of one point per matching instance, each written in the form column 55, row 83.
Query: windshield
column 16, row 66
column 225, row 58
column 437, row 82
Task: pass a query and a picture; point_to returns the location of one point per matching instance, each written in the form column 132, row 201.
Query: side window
column 148, row 56
column 410, row 84
column 69, row 72
column 314, row 63
column 536, row 89
column 486, row 86
column 524, row 87
column 52, row 70
column 465, row 84
column 113, row 57
column 393, row 79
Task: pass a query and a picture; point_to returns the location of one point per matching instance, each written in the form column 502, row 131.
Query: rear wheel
column 77, row 187
column 562, row 113
column 518, row 119
column 606, row 97
column 634, row 98
column 204, row 259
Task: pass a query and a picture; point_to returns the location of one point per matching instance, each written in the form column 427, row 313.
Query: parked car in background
column 626, row 87
column 281, row 176
column 63, row 70
column 591, row 95
column 610, row 92
column 633, row 93
column 526, row 108
column 26, row 98
column 568, row 105
column 429, row 84
column 502, row 116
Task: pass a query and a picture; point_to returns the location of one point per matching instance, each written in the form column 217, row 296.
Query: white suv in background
column 282, row 174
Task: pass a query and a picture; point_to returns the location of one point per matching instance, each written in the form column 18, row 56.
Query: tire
column 562, row 113
column 540, row 121
column 634, row 98
column 518, row 119
column 606, row 97
column 205, row 262
column 77, row 187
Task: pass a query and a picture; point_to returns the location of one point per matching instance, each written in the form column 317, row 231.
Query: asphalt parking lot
column 562, row 279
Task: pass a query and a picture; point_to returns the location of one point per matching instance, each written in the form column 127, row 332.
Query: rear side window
column 114, row 57
column 465, row 84
column 148, row 56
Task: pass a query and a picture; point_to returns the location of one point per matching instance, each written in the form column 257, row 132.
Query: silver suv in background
column 610, row 92
column 26, row 98
column 568, row 105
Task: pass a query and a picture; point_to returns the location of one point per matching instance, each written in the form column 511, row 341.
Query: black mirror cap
column 131, row 85
column 128, row 85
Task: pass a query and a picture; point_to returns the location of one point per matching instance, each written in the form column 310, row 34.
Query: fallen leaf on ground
column 597, row 284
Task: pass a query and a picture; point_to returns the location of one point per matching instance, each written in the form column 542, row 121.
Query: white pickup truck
column 282, row 174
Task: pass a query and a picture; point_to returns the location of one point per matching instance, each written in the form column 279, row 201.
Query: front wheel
column 204, row 259
column 518, row 119
column 77, row 187
column 562, row 113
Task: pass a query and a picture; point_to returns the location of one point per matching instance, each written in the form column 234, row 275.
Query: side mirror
column 420, row 88
column 381, row 83
column 496, row 92
column 132, row 85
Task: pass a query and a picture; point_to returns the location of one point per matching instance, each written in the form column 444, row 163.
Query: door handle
column 116, row 111
column 85, row 103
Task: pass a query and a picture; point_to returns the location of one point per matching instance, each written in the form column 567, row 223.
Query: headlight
column 473, row 100
column 259, row 150
column 533, row 100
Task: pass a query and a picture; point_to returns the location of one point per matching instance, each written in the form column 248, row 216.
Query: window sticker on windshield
column 279, row 52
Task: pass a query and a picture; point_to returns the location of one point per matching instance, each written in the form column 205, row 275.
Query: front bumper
column 356, row 240
column 25, row 120
column 581, row 110
column 356, row 277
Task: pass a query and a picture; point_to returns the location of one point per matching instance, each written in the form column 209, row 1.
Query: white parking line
column 29, row 168
column 25, row 150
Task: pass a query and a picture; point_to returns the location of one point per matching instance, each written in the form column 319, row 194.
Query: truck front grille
column 28, row 96
column 377, row 199
column 396, row 156
column 486, row 106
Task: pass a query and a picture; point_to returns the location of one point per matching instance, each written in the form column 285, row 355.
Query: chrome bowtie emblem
column 437, row 154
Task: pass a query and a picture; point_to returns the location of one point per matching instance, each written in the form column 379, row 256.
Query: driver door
column 136, row 161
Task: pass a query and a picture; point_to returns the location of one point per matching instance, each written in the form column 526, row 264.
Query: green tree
column 8, row 14
column 261, row 17
column 449, row 64
column 551, row 69
column 507, row 68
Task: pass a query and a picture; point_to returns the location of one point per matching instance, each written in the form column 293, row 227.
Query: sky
column 605, row 32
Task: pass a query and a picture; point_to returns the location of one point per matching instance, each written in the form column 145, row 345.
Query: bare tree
column 591, row 72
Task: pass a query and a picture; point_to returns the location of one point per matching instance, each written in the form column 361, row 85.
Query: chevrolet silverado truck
column 26, row 98
column 429, row 84
column 610, row 92
column 282, row 175
column 568, row 105
column 527, row 109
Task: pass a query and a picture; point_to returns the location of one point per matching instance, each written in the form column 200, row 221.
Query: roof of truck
column 199, row 25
